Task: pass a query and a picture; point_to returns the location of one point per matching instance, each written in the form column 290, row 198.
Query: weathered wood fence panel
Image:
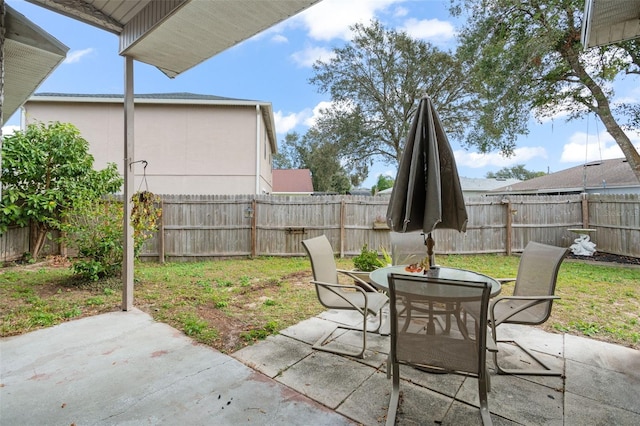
column 14, row 243
column 204, row 227
column 616, row 219
column 544, row 219
column 283, row 222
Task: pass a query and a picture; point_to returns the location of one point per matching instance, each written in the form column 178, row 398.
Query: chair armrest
column 360, row 281
column 334, row 288
column 533, row 300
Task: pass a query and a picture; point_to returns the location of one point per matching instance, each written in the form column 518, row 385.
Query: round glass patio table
column 379, row 276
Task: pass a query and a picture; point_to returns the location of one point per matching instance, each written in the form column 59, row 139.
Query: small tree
column 94, row 229
column 384, row 182
column 46, row 172
column 516, row 172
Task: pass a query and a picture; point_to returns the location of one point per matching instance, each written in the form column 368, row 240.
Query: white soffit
column 176, row 35
column 196, row 30
column 610, row 21
column 30, row 55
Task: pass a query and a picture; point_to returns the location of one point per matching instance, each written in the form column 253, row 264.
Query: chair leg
column 546, row 370
column 395, row 395
column 320, row 344
column 483, row 387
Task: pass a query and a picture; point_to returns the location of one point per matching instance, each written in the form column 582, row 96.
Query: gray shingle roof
column 590, row 176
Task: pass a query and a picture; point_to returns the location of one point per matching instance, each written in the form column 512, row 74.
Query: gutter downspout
column 257, row 149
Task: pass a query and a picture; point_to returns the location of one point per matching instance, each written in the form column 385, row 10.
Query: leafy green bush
column 367, row 260
column 47, row 171
column 95, row 231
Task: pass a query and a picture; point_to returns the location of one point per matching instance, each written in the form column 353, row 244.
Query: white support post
column 129, row 186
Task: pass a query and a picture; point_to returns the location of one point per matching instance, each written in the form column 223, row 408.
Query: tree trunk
column 41, row 234
column 623, row 141
column 602, row 107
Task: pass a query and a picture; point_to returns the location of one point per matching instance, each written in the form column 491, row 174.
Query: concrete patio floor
column 125, row 368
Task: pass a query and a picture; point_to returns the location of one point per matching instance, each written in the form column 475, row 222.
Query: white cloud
column 9, row 130
column 477, row 160
column 307, row 117
column 279, row 38
column 75, row 55
column 389, row 173
column 583, row 147
column 308, row 56
column 401, row 12
column 429, row 29
column 286, row 123
column 317, row 112
column 331, row 19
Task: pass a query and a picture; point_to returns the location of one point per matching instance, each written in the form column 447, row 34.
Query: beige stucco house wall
column 193, row 144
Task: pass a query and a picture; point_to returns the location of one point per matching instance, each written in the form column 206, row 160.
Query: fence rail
column 205, row 227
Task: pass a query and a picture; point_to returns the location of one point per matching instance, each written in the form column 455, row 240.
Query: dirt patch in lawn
column 608, row 258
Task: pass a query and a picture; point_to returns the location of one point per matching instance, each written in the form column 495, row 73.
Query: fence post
column 342, row 215
column 585, row 211
column 509, row 224
column 254, row 219
column 161, row 234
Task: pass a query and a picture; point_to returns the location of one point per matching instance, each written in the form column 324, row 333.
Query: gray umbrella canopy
column 427, row 194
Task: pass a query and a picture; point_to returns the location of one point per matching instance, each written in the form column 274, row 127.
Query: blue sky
column 275, row 66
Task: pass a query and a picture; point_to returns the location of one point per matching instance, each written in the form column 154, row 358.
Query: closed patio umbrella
column 427, row 194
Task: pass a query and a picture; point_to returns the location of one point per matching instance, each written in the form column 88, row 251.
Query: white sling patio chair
column 460, row 351
column 410, row 248
column 362, row 298
column 531, row 303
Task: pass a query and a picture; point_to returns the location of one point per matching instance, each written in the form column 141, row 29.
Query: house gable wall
column 190, row 149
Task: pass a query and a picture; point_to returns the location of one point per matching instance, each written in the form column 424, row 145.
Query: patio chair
column 531, row 302
column 461, row 351
column 362, row 297
column 410, row 248
column 407, row 248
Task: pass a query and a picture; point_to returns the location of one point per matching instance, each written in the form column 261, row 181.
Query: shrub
column 367, row 260
column 95, row 231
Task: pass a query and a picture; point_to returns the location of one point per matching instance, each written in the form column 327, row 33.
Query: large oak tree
column 526, row 55
column 375, row 82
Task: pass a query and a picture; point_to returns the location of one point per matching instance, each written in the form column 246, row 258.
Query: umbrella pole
column 430, row 243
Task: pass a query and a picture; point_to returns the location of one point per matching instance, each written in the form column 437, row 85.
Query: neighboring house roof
column 484, row 184
column 597, row 176
column 292, row 181
column 184, row 98
column 473, row 186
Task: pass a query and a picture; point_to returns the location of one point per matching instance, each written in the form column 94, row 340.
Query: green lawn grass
column 231, row 303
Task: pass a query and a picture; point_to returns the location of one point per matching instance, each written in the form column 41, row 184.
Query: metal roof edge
column 143, row 99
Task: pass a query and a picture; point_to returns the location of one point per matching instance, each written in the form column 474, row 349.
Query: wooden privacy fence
column 205, row 227
column 247, row 225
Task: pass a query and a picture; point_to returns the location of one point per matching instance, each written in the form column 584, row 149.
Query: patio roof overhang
column 176, row 35
column 30, row 55
column 610, row 21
